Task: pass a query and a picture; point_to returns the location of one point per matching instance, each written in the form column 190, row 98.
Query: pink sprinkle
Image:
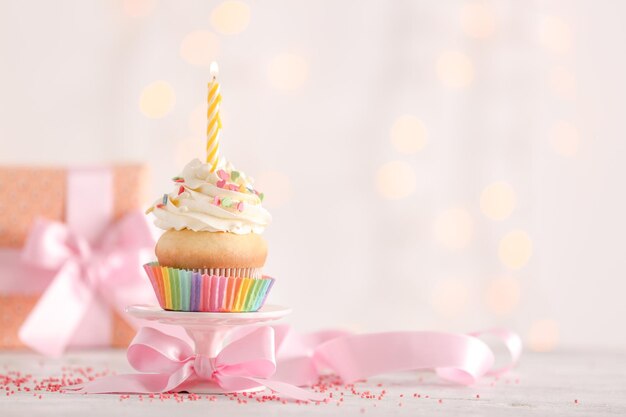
column 477, row 396
column 181, row 190
column 216, row 200
column 220, row 184
column 575, row 401
column 223, row 175
column 240, row 206
column 440, row 401
column 233, row 187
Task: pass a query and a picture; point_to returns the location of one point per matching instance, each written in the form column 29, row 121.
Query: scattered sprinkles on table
column 14, row 382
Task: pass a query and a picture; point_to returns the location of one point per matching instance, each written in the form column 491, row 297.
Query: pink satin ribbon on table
column 252, row 359
column 456, row 357
column 110, row 269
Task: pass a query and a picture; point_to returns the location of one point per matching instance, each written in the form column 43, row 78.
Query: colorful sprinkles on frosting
column 226, row 202
column 231, row 181
column 223, row 175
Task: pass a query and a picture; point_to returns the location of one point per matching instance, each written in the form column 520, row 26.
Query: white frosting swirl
column 204, row 201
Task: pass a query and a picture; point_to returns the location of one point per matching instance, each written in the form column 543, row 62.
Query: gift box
column 52, row 292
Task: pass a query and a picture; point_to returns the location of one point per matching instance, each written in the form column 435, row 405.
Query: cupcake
column 211, row 255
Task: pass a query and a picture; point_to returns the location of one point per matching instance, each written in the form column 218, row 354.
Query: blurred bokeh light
column 515, row 249
column 138, row 8
column 478, row 20
column 503, row 295
column 543, row 335
column 555, row 34
column 408, row 134
column 231, row 17
column 497, row 200
column 455, row 69
column 395, row 180
column 157, row 99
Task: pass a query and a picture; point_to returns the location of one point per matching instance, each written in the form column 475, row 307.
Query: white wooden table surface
column 554, row 384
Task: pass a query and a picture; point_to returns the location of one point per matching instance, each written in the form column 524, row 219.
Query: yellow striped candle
column 214, row 122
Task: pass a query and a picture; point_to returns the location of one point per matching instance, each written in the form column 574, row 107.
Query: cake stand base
column 208, row 331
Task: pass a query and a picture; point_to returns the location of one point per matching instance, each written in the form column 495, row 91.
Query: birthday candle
column 214, row 122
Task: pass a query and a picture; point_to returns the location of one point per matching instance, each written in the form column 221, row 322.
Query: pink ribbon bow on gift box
column 110, row 270
column 250, row 360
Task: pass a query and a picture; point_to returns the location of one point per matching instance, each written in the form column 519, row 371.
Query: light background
column 445, row 165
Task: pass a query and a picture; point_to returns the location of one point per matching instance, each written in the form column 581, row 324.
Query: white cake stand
column 208, row 331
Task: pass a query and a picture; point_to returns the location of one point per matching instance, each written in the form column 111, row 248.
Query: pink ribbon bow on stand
column 88, row 278
column 170, row 364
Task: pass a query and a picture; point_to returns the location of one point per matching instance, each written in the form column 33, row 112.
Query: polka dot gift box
column 76, row 212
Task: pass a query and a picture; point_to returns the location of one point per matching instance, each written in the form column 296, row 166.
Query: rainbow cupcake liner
column 189, row 290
